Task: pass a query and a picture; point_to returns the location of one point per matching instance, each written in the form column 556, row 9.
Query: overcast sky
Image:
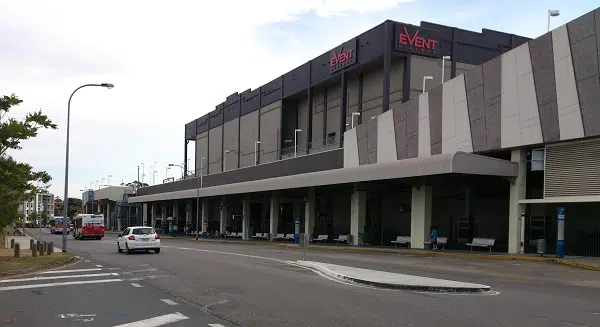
column 173, row 61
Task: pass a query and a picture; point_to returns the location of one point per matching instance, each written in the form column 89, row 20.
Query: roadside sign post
column 297, row 230
column 560, row 237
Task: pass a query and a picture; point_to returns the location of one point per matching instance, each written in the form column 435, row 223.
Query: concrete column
column 516, row 227
column 188, row 212
column 274, row 214
column 420, row 216
column 246, row 218
column 358, row 214
column 163, row 215
column 108, row 216
column 153, row 215
column 205, row 214
column 144, row 214
column 310, row 207
column 176, row 210
column 224, row 215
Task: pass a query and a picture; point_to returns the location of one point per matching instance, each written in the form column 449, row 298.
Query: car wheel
column 157, row 250
column 119, row 248
column 128, row 251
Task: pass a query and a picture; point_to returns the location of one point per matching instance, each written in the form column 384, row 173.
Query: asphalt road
column 251, row 285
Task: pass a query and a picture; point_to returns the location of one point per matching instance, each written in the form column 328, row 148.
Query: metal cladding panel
column 216, row 116
column 321, row 161
column 202, row 124
column 420, row 41
column 232, row 108
column 250, row 101
column 371, row 44
column 190, row 130
column 571, row 169
column 319, row 69
column 271, row 92
column 297, row 80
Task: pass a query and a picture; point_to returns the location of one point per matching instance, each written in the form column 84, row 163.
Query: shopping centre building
column 365, row 140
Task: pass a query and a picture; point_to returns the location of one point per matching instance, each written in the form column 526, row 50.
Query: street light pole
column 225, row 159
column 444, row 58
column 66, row 198
column 552, row 13
column 352, row 118
column 426, row 78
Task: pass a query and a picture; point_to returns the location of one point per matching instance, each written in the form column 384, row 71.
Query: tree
column 75, row 207
column 44, row 217
column 33, row 217
column 18, row 180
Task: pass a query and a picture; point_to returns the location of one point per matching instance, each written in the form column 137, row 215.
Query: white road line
column 53, row 277
column 136, row 285
column 216, row 325
column 69, row 271
column 22, row 287
column 156, row 321
column 169, row 302
column 99, row 266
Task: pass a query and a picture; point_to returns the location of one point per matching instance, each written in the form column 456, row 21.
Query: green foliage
column 18, row 180
column 44, row 217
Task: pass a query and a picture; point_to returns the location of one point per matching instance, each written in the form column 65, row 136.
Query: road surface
column 215, row 284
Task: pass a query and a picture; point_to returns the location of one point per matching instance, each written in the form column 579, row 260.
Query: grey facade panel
column 215, row 150
column 248, row 137
column 493, row 127
column 215, row 117
column 589, row 100
column 435, row 119
column 190, row 130
column 585, row 40
column 231, row 143
column 479, row 134
column 492, row 90
column 231, row 109
column 270, row 132
column 361, row 137
column 322, row 161
column 542, row 64
column 474, row 78
column 371, row 141
column 406, row 128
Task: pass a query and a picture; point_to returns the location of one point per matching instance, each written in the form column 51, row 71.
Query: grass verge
column 9, row 265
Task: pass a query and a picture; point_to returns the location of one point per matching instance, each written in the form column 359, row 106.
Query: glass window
column 142, row 231
column 537, row 159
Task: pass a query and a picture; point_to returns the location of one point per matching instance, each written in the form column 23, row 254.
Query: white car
column 138, row 238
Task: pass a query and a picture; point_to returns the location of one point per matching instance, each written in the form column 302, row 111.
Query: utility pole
column 138, row 179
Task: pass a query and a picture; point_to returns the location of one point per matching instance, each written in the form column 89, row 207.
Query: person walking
column 434, row 235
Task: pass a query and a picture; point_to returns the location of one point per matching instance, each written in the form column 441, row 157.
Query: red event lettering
column 340, row 57
column 416, row 41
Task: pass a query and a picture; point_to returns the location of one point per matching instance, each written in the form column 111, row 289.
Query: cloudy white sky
column 173, row 61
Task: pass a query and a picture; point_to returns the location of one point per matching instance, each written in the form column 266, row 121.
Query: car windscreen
column 142, row 231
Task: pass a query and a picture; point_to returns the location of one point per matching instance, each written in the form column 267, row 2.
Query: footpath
column 588, row 263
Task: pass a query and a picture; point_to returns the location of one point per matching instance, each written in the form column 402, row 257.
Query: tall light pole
column 352, row 118
column 108, row 179
column 225, row 159
column 296, row 131
column 552, row 13
column 426, row 78
column 102, row 184
column 180, row 166
column 143, row 172
column 256, row 152
column 66, row 198
column 96, row 186
column 444, row 58
column 154, row 173
column 167, row 172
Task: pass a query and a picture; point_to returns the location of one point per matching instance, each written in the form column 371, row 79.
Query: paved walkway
column 391, row 280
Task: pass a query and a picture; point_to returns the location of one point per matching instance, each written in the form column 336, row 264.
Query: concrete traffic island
column 383, row 279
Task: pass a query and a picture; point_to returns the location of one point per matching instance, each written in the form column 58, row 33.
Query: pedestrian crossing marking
column 156, row 321
column 22, row 287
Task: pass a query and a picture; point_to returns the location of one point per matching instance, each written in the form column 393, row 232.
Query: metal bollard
column 12, row 243
column 49, row 248
column 17, row 250
column 34, row 251
column 42, row 248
